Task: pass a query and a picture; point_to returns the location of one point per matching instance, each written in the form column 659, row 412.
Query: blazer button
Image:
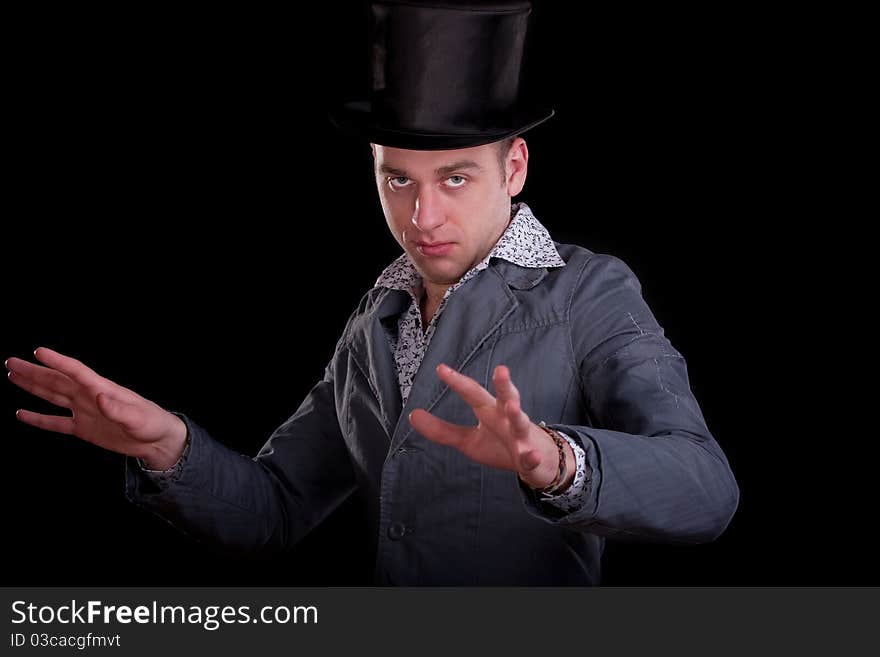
column 396, row 531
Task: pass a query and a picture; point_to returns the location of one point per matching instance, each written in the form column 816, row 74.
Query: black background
column 181, row 216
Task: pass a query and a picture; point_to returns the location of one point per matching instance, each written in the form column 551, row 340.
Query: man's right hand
column 104, row 413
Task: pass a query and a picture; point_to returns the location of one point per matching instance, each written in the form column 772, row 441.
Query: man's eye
column 397, row 178
column 460, row 184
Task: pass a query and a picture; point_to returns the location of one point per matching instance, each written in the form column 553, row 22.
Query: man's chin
column 439, row 270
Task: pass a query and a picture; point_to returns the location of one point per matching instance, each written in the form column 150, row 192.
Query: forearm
column 202, row 499
column 672, row 488
column 237, row 503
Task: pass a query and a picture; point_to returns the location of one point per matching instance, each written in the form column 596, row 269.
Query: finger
column 69, row 366
column 129, row 416
column 520, row 423
column 42, row 392
column 43, row 376
column 504, row 387
column 437, row 430
column 48, row 422
column 472, row 392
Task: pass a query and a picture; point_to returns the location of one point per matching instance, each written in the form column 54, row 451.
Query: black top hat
column 445, row 75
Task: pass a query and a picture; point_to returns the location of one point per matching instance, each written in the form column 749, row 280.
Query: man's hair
column 502, row 150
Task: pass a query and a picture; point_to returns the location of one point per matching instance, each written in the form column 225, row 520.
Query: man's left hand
column 505, row 437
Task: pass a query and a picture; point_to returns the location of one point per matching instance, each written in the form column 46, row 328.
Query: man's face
column 457, row 200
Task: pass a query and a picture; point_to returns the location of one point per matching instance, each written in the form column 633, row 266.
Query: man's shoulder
column 573, row 254
column 369, row 301
column 366, row 307
column 593, row 271
column 584, row 262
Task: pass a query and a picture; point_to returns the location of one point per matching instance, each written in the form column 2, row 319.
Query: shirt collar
column 525, row 242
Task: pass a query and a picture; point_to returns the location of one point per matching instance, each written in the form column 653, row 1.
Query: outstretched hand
column 104, row 413
column 505, row 437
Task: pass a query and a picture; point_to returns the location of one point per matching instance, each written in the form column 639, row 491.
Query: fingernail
column 6, row 363
column 9, row 374
column 35, row 351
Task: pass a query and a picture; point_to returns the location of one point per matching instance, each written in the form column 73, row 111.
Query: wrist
column 570, row 468
column 166, row 452
column 558, row 466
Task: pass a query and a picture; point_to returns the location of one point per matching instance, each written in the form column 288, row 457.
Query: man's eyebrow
column 441, row 171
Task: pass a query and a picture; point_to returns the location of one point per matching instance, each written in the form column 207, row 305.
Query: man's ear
column 517, row 166
column 373, row 149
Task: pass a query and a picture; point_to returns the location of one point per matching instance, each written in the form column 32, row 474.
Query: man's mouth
column 434, row 248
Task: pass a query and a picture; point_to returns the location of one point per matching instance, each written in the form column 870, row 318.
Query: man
column 592, row 430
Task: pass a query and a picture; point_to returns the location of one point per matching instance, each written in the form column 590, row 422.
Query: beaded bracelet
column 560, row 476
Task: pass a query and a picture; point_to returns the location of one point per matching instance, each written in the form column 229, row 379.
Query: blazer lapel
column 372, row 352
column 472, row 314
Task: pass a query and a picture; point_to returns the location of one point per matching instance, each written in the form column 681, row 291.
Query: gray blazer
column 588, row 357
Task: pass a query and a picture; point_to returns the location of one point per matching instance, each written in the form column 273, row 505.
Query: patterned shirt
column 525, row 242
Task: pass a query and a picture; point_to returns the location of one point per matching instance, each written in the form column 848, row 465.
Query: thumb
column 530, row 460
column 116, row 411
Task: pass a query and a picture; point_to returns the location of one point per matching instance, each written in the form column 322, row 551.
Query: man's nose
column 429, row 213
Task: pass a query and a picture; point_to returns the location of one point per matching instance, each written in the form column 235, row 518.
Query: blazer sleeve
column 655, row 472
column 263, row 504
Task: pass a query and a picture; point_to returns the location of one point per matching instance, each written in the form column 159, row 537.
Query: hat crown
column 445, row 74
column 446, row 66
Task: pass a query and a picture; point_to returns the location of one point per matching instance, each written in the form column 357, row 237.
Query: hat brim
column 355, row 118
